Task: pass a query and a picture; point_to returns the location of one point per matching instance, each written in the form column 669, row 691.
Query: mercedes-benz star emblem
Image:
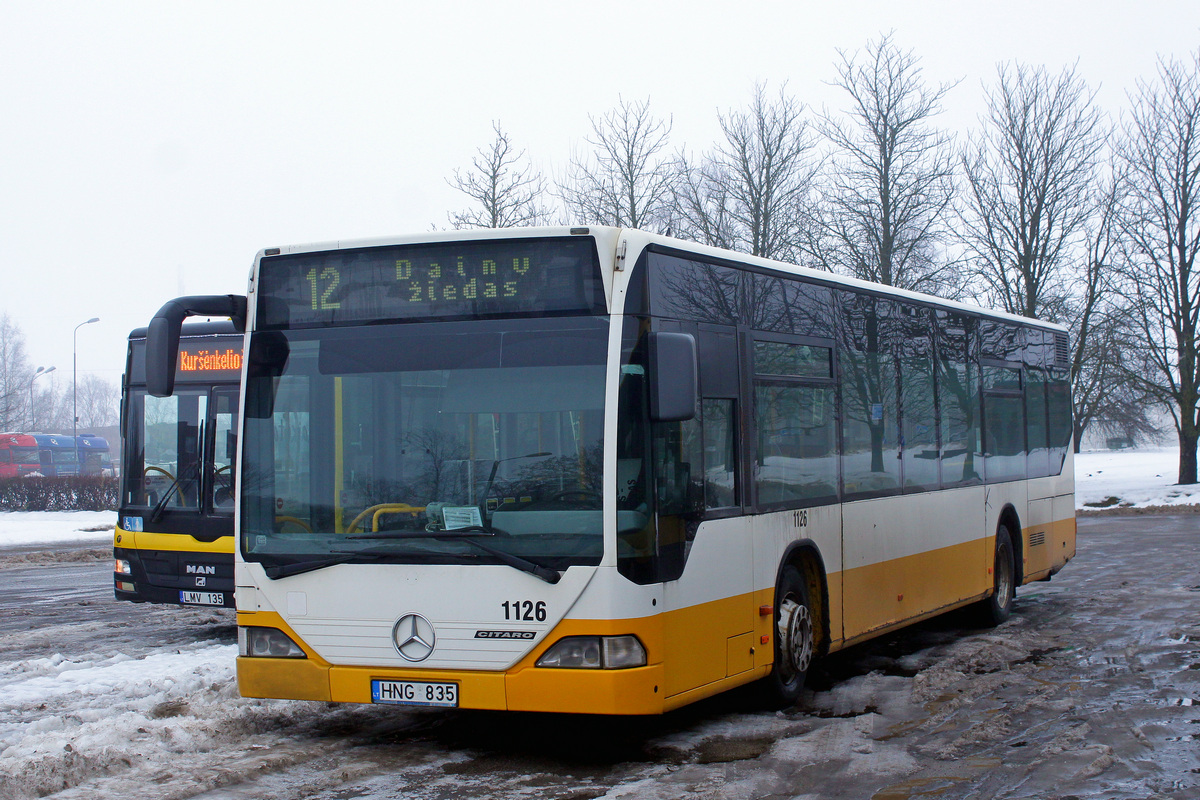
column 414, row 637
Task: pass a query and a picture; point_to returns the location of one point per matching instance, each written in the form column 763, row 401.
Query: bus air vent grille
column 1062, row 350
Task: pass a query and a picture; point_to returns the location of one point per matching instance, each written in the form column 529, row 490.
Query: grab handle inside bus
column 162, row 335
column 673, row 376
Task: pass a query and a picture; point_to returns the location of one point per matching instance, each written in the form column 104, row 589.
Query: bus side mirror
column 674, row 388
column 162, row 335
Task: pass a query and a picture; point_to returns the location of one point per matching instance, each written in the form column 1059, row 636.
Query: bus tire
column 997, row 608
column 795, row 638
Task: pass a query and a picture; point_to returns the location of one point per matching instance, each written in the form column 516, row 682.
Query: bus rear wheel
column 795, row 638
column 998, row 607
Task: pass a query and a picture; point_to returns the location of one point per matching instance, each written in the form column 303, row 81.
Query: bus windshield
column 174, row 462
column 405, row 442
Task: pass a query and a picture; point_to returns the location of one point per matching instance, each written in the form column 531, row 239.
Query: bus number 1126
column 525, row 610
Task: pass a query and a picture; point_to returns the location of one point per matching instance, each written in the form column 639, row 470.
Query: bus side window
column 794, row 395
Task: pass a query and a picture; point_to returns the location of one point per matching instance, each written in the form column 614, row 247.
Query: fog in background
column 149, row 149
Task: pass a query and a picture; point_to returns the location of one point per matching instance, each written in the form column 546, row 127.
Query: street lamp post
column 32, row 407
column 75, row 378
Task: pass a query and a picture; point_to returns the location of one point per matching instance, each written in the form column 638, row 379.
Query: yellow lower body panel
column 881, row 595
column 524, row 687
column 284, row 678
column 1047, row 548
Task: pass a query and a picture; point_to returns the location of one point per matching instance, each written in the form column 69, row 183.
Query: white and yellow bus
column 603, row 471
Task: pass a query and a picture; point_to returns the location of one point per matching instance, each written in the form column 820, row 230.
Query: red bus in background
column 18, row 455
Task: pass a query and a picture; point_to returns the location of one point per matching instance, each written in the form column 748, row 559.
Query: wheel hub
column 795, row 633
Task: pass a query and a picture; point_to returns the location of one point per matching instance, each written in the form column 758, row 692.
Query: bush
column 58, row 494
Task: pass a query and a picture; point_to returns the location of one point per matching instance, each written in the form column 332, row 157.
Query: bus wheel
column 997, row 608
column 795, row 637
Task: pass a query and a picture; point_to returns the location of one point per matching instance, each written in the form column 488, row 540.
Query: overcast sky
column 150, row 149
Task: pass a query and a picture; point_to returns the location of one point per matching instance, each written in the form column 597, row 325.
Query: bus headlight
column 267, row 643
column 123, row 567
column 595, row 652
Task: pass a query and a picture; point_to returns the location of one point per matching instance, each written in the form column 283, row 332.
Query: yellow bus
column 174, row 538
column 603, row 471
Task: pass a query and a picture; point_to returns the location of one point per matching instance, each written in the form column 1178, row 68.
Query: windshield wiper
column 172, row 489
column 276, row 571
column 514, row 561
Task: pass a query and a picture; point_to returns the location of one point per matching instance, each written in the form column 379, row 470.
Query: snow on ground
column 1138, row 478
column 25, row 528
column 65, row 722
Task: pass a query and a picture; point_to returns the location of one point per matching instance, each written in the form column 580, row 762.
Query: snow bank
column 63, row 718
column 107, row 724
column 1138, row 478
column 24, row 528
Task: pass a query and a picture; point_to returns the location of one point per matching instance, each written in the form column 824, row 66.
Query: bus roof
column 211, row 328
column 638, row 240
column 54, row 440
column 18, row 439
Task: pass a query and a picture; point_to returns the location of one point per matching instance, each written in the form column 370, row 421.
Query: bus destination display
column 459, row 280
column 212, row 362
column 215, row 358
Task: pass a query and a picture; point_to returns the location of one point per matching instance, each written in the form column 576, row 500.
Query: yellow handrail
column 380, row 510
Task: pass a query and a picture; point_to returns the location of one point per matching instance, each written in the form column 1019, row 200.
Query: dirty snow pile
column 63, row 719
column 101, row 723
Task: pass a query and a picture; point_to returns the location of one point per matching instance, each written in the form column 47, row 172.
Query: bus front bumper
column 524, row 688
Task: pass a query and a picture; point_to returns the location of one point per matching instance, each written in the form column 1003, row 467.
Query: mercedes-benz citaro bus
column 174, row 538
column 599, row 470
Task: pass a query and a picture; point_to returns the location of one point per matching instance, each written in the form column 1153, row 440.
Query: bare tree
column 1030, row 174
column 1099, row 314
column 891, row 177
column 15, row 376
column 1161, row 149
column 99, row 402
column 626, row 178
column 701, row 204
column 52, row 406
column 509, row 191
column 752, row 192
